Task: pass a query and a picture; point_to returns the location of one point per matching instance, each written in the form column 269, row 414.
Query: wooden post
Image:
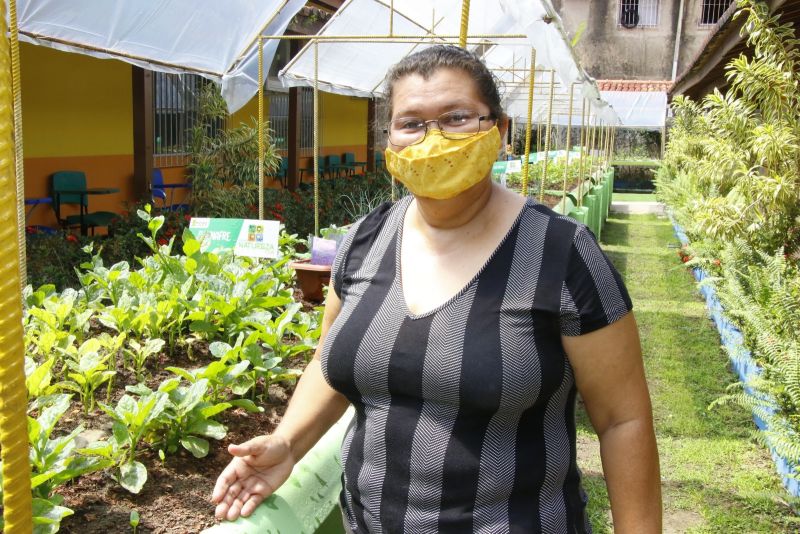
column 142, row 131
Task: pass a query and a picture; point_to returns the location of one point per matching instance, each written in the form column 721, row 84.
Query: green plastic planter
column 590, row 202
column 308, row 502
column 580, row 214
column 599, row 192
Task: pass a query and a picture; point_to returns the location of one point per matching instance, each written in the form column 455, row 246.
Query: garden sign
column 246, row 237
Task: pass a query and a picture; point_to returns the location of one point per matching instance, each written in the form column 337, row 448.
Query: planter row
column 740, row 357
column 595, row 206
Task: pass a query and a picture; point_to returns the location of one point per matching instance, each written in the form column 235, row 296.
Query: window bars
column 176, row 111
column 638, row 14
column 712, row 10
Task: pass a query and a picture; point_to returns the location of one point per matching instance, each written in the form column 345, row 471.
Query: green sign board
column 246, row 237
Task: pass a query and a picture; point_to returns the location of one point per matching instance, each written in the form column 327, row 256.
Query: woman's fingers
column 229, row 475
column 251, row 447
column 252, row 503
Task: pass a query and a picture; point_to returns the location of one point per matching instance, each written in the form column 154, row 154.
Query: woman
column 460, row 322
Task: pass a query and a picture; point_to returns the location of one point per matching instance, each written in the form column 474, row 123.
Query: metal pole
column 316, row 137
column 17, row 508
column 260, row 129
column 583, row 153
column 526, row 157
column 569, row 141
column 462, row 39
column 547, row 135
column 16, row 91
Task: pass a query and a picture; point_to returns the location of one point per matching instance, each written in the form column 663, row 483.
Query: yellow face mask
column 442, row 168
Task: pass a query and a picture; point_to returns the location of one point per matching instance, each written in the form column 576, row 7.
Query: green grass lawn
column 715, row 478
column 633, row 197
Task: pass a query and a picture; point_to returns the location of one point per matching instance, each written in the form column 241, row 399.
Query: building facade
column 636, row 39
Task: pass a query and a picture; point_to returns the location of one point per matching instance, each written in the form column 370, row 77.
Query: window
column 712, row 10
column 638, row 13
column 176, row 107
column 279, row 120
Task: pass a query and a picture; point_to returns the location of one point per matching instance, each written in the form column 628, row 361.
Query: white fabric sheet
column 210, row 35
column 359, row 68
column 638, row 109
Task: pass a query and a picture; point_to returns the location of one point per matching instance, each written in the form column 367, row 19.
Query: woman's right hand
column 258, row 468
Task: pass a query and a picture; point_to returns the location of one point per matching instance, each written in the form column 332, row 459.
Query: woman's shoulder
column 555, row 225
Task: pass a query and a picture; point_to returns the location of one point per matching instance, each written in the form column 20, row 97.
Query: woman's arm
column 609, row 374
column 262, row 464
column 314, row 406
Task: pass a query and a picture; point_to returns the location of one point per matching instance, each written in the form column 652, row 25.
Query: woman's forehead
column 441, row 91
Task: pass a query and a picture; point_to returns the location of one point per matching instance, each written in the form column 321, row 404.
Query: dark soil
column 175, row 498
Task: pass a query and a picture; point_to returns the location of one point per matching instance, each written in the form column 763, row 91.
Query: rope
column 526, row 157
column 547, row 135
column 316, row 137
column 17, row 511
column 260, row 129
column 462, row 38
column 569, row 141
column 19, row 166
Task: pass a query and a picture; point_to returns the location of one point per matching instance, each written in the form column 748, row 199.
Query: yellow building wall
column 77, row 114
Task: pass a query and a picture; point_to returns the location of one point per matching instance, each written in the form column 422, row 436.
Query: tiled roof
column 635, row 85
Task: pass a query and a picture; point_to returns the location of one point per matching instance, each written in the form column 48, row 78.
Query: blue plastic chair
column 158, row 190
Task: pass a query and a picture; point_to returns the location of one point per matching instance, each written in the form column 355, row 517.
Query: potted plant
column 314, row 274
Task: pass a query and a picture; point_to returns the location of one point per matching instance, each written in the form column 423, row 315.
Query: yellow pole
column 547, row 135
column 593, row 133
column 569, row 141
column 316, row 136
column 16, row 90
column 462, row 39
column 260, row 129
column 583, row 152
column 525, row 163
column 538, row 137
column 17, row 510
column 601, row 145
column 391, row 18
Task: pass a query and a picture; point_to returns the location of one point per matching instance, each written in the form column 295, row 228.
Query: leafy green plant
column 54, row 462
column 189, row 419
column 134, row 421
column 88, row 370
column 137, row 354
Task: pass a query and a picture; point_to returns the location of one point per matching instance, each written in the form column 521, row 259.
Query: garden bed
column 175, row 498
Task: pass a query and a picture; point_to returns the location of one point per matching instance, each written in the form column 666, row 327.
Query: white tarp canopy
column 213, row 38
column 515, row 102
column 359, row 68
column 639, row 109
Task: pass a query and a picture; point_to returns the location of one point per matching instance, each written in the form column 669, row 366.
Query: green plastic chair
column 351, row 164
column 75, row 181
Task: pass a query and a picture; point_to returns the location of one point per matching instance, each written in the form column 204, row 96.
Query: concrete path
column 638, row 208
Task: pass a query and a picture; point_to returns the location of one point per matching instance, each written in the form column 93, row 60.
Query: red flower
column 162, row 241
column 187, row 218
column 30, row 230
column 72, row 238
column 279, row 206
column 717, row 263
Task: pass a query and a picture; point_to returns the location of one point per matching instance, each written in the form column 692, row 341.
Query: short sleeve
column 593, row 294
column 340, row 261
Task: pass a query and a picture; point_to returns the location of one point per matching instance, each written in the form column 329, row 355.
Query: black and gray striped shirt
column 465, row 414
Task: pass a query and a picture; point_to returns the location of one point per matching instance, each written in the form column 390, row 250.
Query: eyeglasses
column 456, row 125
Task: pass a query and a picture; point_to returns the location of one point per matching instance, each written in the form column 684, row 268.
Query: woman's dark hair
column 427, row 61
